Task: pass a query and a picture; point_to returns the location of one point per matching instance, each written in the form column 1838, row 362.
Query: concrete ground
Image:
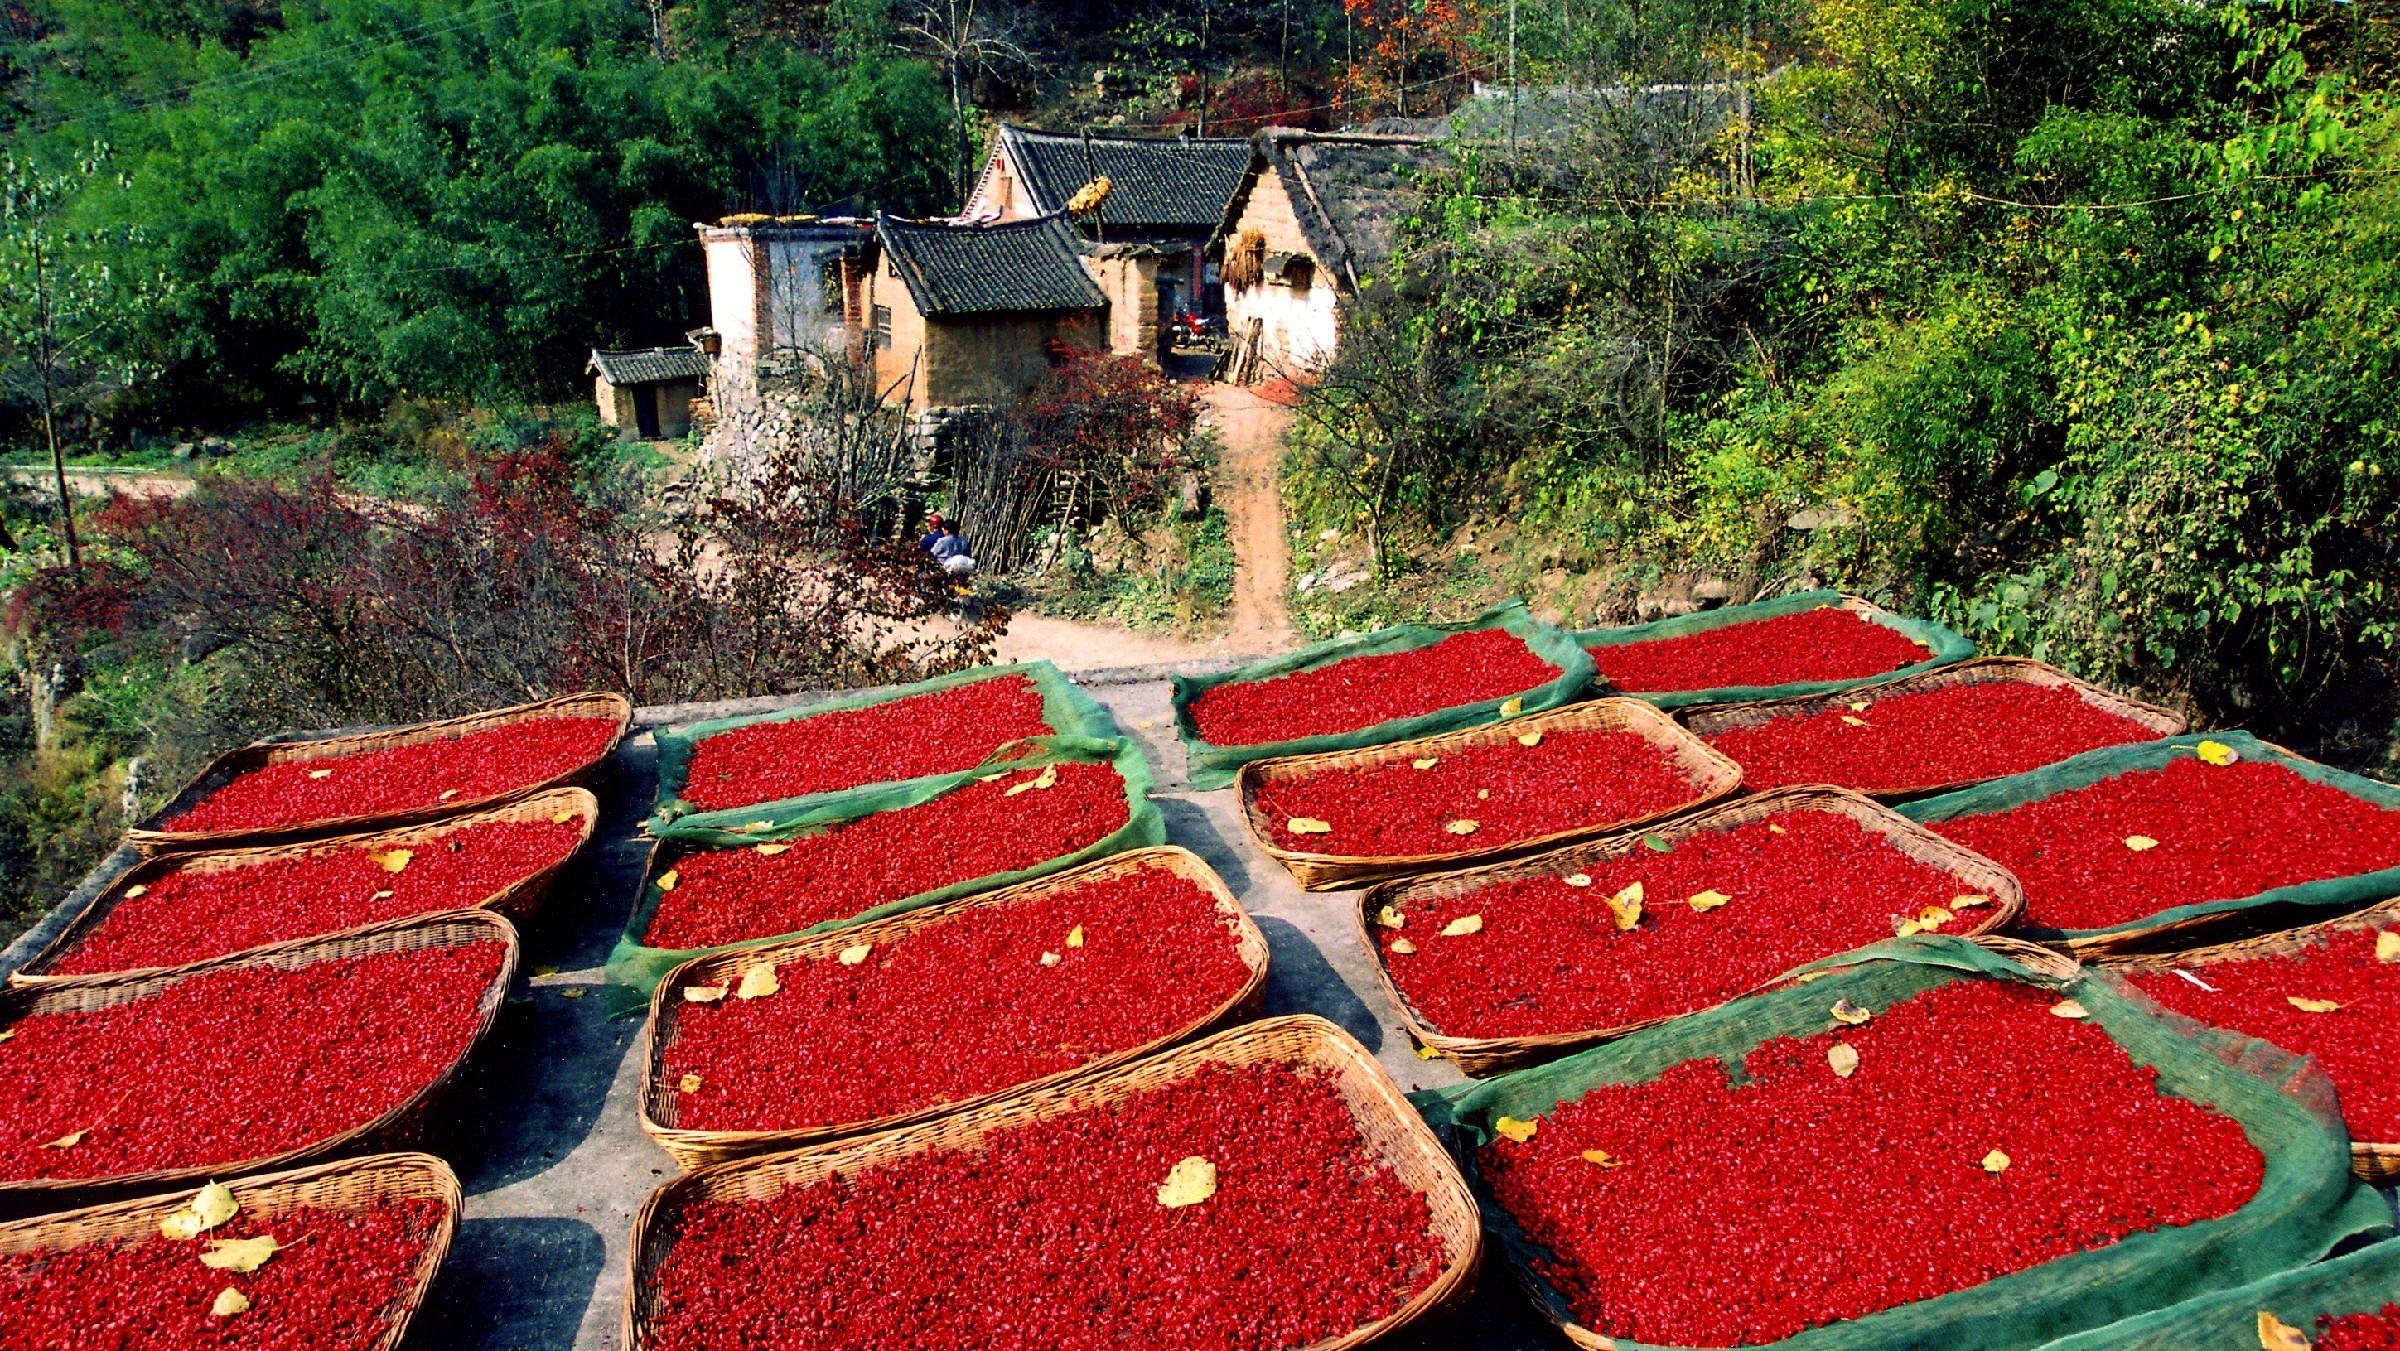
column 542, row 1128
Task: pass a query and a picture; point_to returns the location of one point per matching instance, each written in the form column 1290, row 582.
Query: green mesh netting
column 1213, row 766
column 2307, row 1203
column 2082, row 771
column 2362, row 1282
column 638, row 966
column 1945, row 645
column 1068, row 710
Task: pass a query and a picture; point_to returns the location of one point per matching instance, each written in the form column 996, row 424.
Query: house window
column 881, row 339
column 829, row 285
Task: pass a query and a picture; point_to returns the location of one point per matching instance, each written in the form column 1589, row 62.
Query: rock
column 181, row 450
column 1341, row 574
column 1712, row 591
column 1819, row 518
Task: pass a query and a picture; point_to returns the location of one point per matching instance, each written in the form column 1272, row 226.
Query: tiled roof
column 649, row 365
column 1162, row 184
column 1349, row 192
column 1021, row 267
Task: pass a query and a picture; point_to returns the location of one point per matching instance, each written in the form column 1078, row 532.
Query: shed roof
column 1168, row 185
column 1019, row 267
column 649, row 365
column 1349, row 191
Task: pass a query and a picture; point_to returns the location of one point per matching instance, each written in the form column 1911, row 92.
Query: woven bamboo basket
column 1491, row 1055
column 349, row 1184
column 155, row 836
column 1394, row 1136
column 1707, row 721
column 517, row 900
column 695, row 1148
column 2375, row 1162
column 1711, row 775
column 86, row 994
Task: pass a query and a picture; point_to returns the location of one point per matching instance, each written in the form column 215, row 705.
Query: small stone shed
column 647, row 393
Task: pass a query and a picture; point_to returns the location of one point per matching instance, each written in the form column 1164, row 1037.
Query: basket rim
column 2008, row 905
column 442, row 928
column 35, row 972
column 1646, row 720
column 400, row 1175
column 1292, row 1039
column 659, row 1028
column 154, row 836
column 1707, row 720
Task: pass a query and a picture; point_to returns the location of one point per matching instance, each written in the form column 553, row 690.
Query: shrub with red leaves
column 1511, row 792
column 330, row 1286
column 993, row 997
column 937, row 733
column 1827, row 643
column 757, row 891
column 1927, row 739
column 2378, row 1331
column 1356, row 692
column 1863, row 1192
column 1051, row 1236
column 1548, row 956
column 2222, row 832
column 2357, row 1040
column 235, row 1065
column 190, row 916
column 461, row 768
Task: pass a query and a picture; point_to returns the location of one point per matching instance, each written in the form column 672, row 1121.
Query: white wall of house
column 1297, row 324
column 771, row 288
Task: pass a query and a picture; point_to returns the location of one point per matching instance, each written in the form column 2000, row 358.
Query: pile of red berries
column 2334, row 1002
column 330, row 1284
column 1973, row 1134
column 235, row 1065
column 1057, row 1236
column 2378, row 1331
column 191, row 915
column 1356, row 692
column 1909, row 742
column 756, row 891
column 1655, row 934
column 938, row 733
column 1827, row 643
column 2146, row 841
column 1478, row 797
column 421, row 776
column 993, row 997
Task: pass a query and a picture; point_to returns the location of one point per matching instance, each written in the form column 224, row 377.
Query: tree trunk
column 49, row 397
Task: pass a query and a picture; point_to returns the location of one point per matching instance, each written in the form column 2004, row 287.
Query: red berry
column 2378, row 1331
column 1927, row 739
column 938, row 733
column 422, row 776
column 1828, row 643
column 1358, row 692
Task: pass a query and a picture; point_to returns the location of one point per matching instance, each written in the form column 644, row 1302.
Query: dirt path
column 1251, row 483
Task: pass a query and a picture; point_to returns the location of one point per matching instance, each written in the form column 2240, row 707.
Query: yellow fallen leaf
column 1513, row 1129
column 1603, row 1158
column 1626, row 905
column 1049, row 959
column 703, row 994
column 1858, row 705
column 758, row 981
column 1973, row 900
column 2387, row 945
column 994, row 777
column 855, row 954
column 1048, row 777
column 320, row 773
column 1308, row 825
column 229, row 1302
column 392, row 861
column 1482, row 793
column 1849, row 1014
column 1995, row 1162
column 1529, row 738
column 1462, row 926
column 2139, row 843
column 1708, row 900
column 2306, row 1005
column 211, row 1206
column 1577, row 879
column 383, row 895
column 2069, row 1008
column 447, row 794
column 1933, row 917
column 561, row 818
column 1853, row 720
column 689, row 1083
column 1844, row 1059
column 1402, row 946
column 2216, row 753
column 771, row 850
column 1192, row 1180
column 1774, row 829
column 2276, row 1335
column 1425, row 762
column 239, row 1254
column 1075, row 937
column 1391, row 919
column 68, row 1140
column 667, row 880
column 1428, row 1053
column 1512, row 707
column 135, row 890
column 1463, row 827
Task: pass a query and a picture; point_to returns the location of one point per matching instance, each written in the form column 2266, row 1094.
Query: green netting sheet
column 1065, row 707
column 2361, row 1282
column 1946, row 647
column 638, row 966
column 2330, row 896
column 2307, row 1203
column 1214, row 766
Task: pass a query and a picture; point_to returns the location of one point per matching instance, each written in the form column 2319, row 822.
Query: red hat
column 933, row 518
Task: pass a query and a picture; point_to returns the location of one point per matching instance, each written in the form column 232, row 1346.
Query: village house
column 647, row 393
column 781, row 289
column 1165, row 192
column 1311, row 221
